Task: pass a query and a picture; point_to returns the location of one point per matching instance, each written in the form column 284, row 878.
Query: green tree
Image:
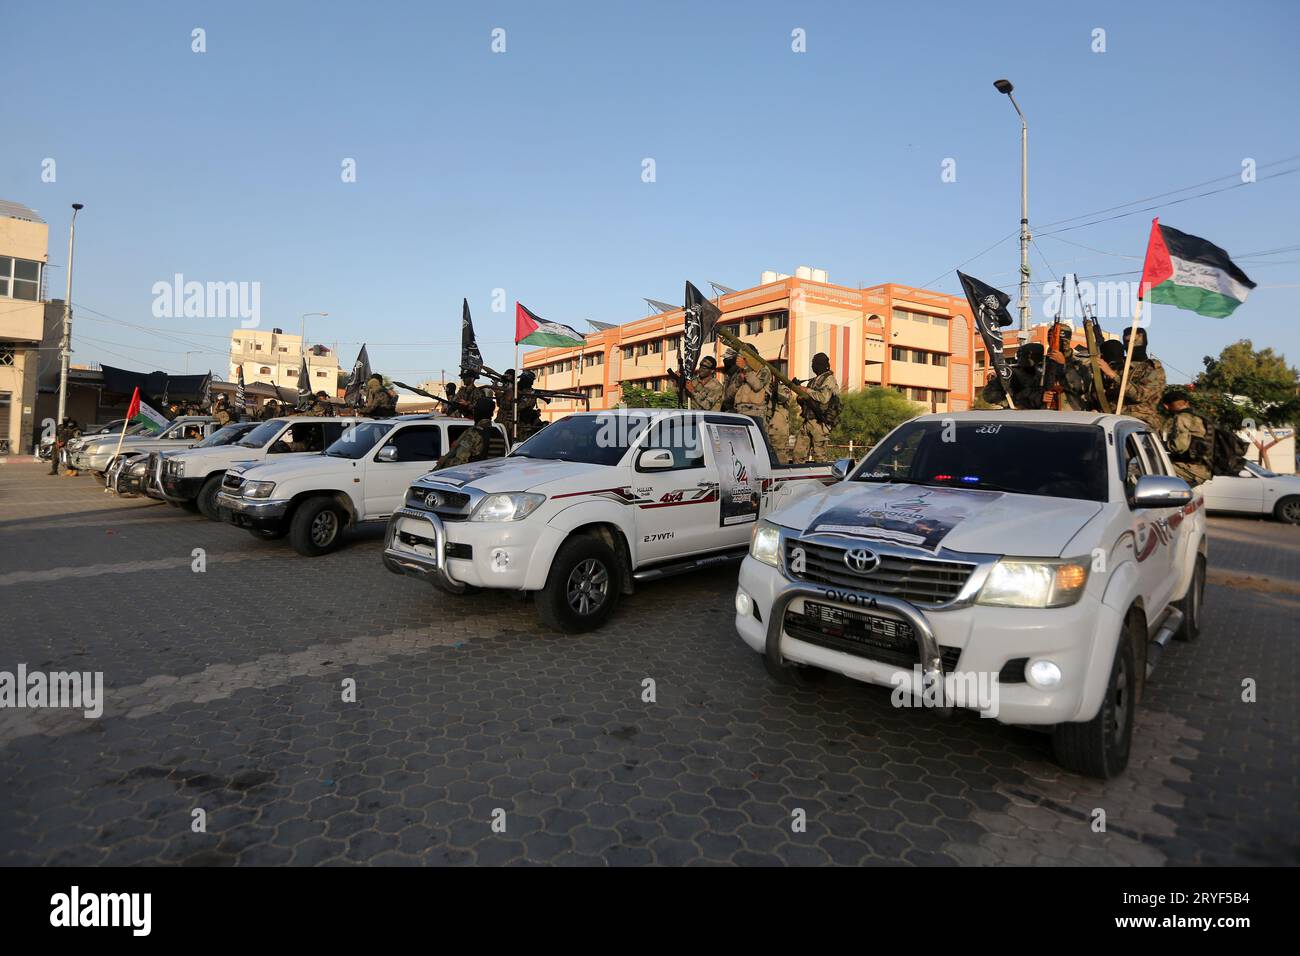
column 635, row 396
column 1245, row 384
column 869, row 414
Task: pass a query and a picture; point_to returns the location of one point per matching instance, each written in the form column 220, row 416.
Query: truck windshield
column 1026, row 458
column 590, row 439
column 358, row 440
column 262, row 434
column 226, row 436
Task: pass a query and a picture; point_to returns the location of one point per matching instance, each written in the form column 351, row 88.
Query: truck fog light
column 1043, row 674
column 744, row 603
column 500, row 559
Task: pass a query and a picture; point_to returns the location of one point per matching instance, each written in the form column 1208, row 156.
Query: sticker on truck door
column 905, row 514
column 738, row 478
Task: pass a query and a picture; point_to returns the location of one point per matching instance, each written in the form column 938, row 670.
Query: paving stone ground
column 224, row 694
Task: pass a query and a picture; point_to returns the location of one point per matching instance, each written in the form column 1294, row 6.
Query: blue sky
column 522, row 170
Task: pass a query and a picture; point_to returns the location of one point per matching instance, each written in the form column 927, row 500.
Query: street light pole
column 303, row 331
column 1004, row 86
column 66, row 350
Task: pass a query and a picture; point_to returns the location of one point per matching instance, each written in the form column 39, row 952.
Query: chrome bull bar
column 418, row 565
column 927, row 645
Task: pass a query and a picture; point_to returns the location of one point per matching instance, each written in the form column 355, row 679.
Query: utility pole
column 66, row 350
column 1004, row 86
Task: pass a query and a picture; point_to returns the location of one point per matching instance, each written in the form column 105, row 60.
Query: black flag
column 471, row 360
column 357, row 380
column 697, row 328
column 241, row 398
column 989, row 306
column 304, row 384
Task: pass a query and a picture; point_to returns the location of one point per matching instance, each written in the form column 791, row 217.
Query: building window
column 594, row 359
column 20, row 278
column 780, row 320
column 899, row 354
column 322, row 374
column 7, row 357
column 939, row 358
column 656, row 347
column 263, row 371
column 754, row 326
column 597, row 391
column 628, row 351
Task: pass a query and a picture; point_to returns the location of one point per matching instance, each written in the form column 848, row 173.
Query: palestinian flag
column 138, row 413
column 1190, row 273
column 531, row 330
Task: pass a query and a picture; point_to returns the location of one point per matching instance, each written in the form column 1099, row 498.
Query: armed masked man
column 815, row 404
column 1189, row 439
column 704, row 388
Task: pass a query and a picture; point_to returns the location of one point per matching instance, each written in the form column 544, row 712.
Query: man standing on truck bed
column 815, row 404
column 1189, row 439
column 705, row 390
column 472, row 445
column 1146, row 380
column 753, row 382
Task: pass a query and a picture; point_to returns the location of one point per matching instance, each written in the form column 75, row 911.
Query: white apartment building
column 274, row 358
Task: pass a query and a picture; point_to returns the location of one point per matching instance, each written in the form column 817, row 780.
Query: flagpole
column 1128, row 358
column 126, row 422
column 514, row 392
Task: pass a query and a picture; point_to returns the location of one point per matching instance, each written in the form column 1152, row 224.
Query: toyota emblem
column 861, row 561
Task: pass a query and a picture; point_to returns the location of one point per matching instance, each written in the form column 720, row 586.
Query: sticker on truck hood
column 911, row 515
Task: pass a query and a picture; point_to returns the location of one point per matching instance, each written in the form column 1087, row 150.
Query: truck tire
column 317, row 527
column 206, row 500
column 582, row 588
column 1192, row 603
column 1100, row 747
column 1288, row 509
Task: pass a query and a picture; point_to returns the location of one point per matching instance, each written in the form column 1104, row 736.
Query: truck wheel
column 795, row 675
column 1100, row 747
column 206, row 501
column 317, row 527
column 1288, row 510
column 1192, row 603
column 582, row 587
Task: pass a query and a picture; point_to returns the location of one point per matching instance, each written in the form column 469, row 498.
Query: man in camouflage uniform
column 1189, row 439
column 221, row 411
column 814, row 402
column 730, row 380
column 505, row 399
column 1073, row 376
column 753, row 383
column 529, row 421
column 269, row 411
column 472, row 445
column 321, row 406
column 468, row 395
column 377, row 401
column 1146, row 381
column 704, row 388
column 784, row 419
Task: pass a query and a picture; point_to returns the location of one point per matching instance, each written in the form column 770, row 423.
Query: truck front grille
column 917, row 580
column 862, row 636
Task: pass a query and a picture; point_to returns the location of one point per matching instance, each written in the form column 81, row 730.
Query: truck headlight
column 1015, row 583
column 509, row 506
column 176, row 468
column 765, row 545
column 138, row 468
column 258, row 489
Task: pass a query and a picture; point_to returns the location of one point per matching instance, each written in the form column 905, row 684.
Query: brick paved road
column 224, row 694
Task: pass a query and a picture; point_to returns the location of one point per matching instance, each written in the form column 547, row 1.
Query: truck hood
column 291, row 467
column 527, row 474
column 928, row 518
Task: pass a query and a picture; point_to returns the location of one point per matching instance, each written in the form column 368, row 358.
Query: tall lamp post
column 1004, row 86
column 303, row 330
column 66, row 349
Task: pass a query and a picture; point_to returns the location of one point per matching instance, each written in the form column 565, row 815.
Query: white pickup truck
column 592, row 503
column 362, row 476
column 1028, row 565
column 192, row 478
column 96, row 453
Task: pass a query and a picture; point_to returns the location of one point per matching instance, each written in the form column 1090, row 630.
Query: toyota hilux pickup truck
column 362, row 476
column 192, row 478
column 96, row 453
column 1028, row 565
column 592, row 504
column 140, row 473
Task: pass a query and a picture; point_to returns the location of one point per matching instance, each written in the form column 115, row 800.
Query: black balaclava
column 821, row 363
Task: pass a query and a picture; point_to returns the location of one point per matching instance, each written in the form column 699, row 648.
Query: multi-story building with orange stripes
column 919, row 342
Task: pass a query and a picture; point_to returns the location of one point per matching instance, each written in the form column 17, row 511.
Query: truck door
column 408, row 453
column 741, row 462
column 678, row 515
column 1153, row 544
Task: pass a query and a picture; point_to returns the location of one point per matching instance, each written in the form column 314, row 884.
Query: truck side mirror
column 655, row 459
column 1161, row 491
column 840, row 470
column 387, row 453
